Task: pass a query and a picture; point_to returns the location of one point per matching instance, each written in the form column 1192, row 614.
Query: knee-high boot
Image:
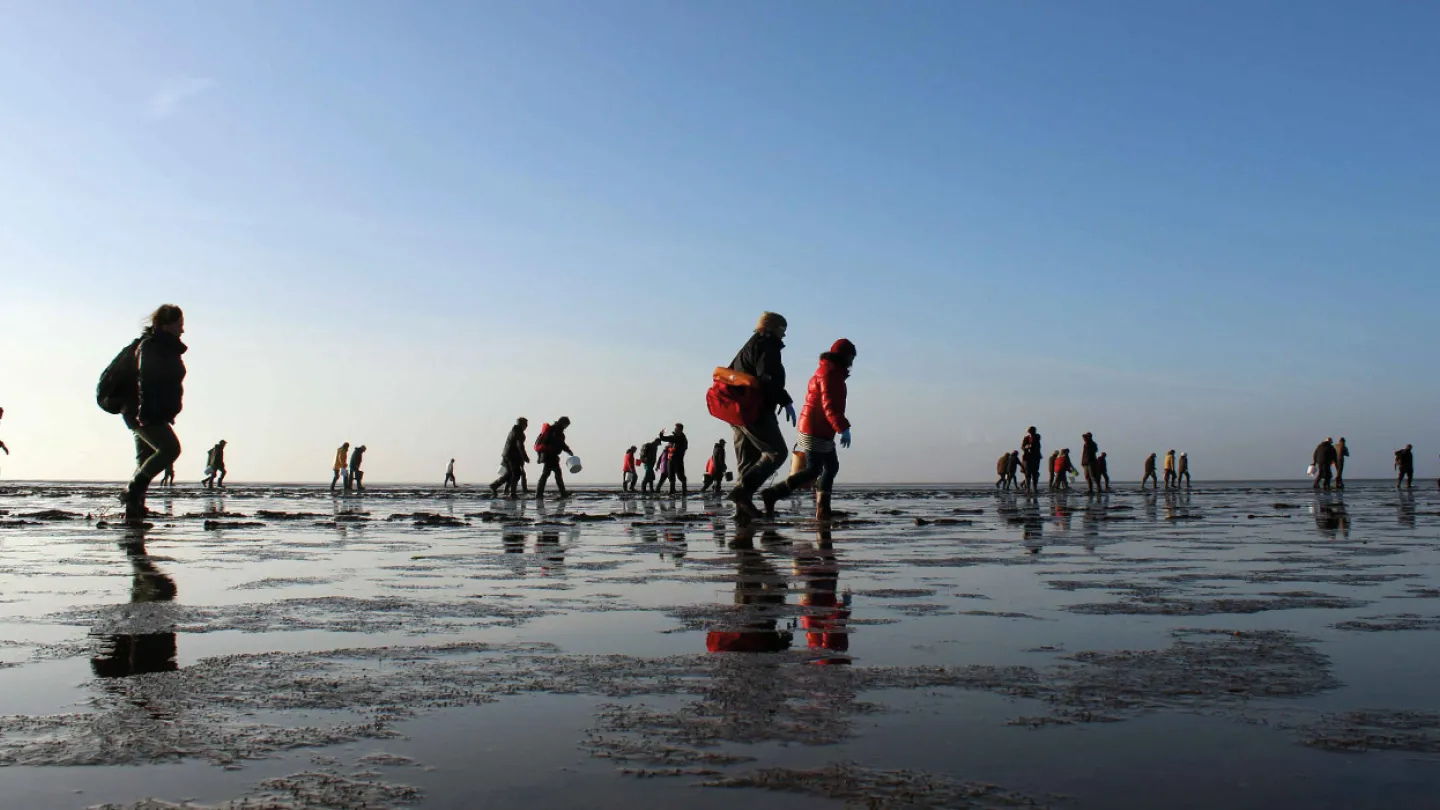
column 770, row 495
column 822, row 504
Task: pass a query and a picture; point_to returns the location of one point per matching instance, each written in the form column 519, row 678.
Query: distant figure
column 679, row 443
column 166, row 480
column 1324, row 459
column 715, row 468
column 1002, row 471
column 649, row 453
column 1054, row 460
column 450, row 475
column 1102, row 472
column 628, row 477
column 1014, row 469
column 663, row 468
column 1405, row 464
column 549, row 447
column 1170, row 479
column 1150, row 472
column 759, row 445
column 357, row 476
column 1341, row 452
column 1088, row 452
column 822, row 419
column 2, row 444
column 513, row 458
column 152, row 401
column 215, row 465
column 1030, row 452
column 1182, row 470
column 1063, row 468
column 342, row 466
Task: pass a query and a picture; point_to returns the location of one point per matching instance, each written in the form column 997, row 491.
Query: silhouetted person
column 168, row 478
column 1002, row 471
column 715, row 468
column 1324, row 459
column 759, row 445
column 1088, row 452
column 357, row 476
column 1170, row 468
column 1182, row 470
column 1405, row 464
column 549, row 446
column 628, row 476
column 1064, row 467
column 450, row 476
column 3, row 448
column 1341, row 453
column 342, row 466
column 120, row 655
column 215, row 465
column 513, row 458
column 826, row 611
column 1102, row 472
column 822, row 421
column 1050, row 466
column 1014, row 469
column 649, row 457
column 760, row 591
column 1030, row 453
column 680, row 444
column 150, row 407
column 1150, row 472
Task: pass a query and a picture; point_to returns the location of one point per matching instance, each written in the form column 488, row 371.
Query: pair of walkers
column 759, row 444
column 346, row 468
column 513, row 458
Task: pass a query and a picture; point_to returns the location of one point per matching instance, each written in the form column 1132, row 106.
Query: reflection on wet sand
column 119, row 655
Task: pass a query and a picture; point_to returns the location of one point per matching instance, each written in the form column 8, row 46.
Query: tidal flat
column 1239, row 645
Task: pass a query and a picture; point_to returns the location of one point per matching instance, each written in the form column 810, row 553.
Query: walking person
column 3, row 448
column 1150, row 473
column 1170, row 479
column 342, row 468
column 1089, row 450
column 168, row 478
column 663, row 468
column 357, row 476
column 759, row 445
column 1014, row 469
column 549, row 446
column 215, row 465
column 450, row 476
column 822, row 418
column 154, row 403
column 1323, row 459
column 715, row 468
column 1064, row 467
column 679, row 445
column 1102, row 472
column 513, row 458
column 649, row 452
column 1182, row 470
column 1051, row 465
column 1341, row 452
column 1405, row 464
column 1002, row 471
column 627, row 471
column 1030, row 452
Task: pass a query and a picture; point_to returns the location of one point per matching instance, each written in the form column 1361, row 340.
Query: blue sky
column 1208, row 226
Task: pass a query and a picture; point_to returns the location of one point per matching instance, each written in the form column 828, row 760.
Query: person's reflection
column 122, row 654
column 826, row 610
column 1152, row 507
column 1060, row 505
column 1170, row 505
column 550, row 552
column 759, row 590
column 1032, row 525
column 1331, row 519
column 1405, row 509
column 513, row 542
column 675, row 545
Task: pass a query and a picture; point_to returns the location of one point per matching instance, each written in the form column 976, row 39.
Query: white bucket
column 573, row 464
column 1311, row 471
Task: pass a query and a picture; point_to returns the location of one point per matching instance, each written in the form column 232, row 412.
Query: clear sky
column 1212, row 226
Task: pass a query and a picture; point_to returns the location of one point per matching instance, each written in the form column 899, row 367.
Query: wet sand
column 1238, row 645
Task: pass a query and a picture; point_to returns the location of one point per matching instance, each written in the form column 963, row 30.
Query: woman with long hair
column 159, row 390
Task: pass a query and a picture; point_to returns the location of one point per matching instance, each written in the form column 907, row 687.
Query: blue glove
column 790, row 413
column 845, row 437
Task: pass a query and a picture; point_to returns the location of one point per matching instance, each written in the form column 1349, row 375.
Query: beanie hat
column 843, row 346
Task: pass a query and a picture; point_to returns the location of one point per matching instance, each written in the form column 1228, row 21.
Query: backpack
column 734, row 397
column 542, row 444
column 119, row 385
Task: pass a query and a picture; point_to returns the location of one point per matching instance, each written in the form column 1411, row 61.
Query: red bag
column 734, row 397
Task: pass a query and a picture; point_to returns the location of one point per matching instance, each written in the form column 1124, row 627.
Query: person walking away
column 648, row 457
column 342, row 456
column 513, row 458
column 450, row 475
column 3, row 448
column 215, row 465
column 1169, row 468
column 679, row 444
column 1002, row 471
column 1405, row 463
column 715, row 468
column 1323, row 459
column 157, row 400
column 549, row 446
column 627, row 471
column 1089, row 450
column 759, row 445
column 1015, row 465
column 1064, row 467
column 1102, row 473
column 1341, row 452
column 1030, row 452
column 663, row 467
column 357, row 476
column 821, row 418
column 1051, row 466
column 1150, row 473
column 1182, row 470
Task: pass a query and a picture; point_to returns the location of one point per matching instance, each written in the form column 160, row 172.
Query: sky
column 1208, row 226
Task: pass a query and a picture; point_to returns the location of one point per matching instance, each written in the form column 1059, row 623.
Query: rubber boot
column 744, row 503
column 822, row 505
column 770, row 495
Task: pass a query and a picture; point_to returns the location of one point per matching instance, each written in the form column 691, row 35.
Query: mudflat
column 1237, row 645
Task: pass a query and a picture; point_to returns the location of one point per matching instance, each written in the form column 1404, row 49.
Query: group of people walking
column 1094, row 464
column 1327, row 465
column 666, row 466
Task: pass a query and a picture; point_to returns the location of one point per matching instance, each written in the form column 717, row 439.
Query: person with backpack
column 628, row 478
column 145, row 384
column 649, row 453
column 548, row 446
column 341, row 467
column 679, row 445
column 822, row 418
column 759, row 444
column 513, row 458
column 714, row 469
column 1102, row 473
column 215, row 465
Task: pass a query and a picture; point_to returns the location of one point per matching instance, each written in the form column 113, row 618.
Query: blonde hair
column 770, row 322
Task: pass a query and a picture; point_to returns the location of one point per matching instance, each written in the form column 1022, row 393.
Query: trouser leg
column 762, row 450
column 164, row 450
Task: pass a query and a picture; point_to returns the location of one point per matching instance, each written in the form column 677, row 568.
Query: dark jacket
column 1324, row 454
column 717, row 457
column 1101, row 466
column 1406, row 460
column 1088, row 452
column 1341, row 451
column 648, row 452
column 356, row 457
column 514, row 450
column 555, row 443
column 1030, row 446
column 760, row 357
column 823, row 414
column 1150, row 464
column 162, row 377
column 680, row 442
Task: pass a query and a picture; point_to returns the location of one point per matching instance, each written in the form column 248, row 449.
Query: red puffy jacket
column 824, row 412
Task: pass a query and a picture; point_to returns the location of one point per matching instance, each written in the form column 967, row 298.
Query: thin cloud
column 175, row 93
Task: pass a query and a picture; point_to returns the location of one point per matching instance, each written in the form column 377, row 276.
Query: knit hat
column 843, row 346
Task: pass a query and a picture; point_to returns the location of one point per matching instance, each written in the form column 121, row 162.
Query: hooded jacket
column 760, row 357
column 514, row 450
column 824, row 412
column 1324, row 455
column 1089, row 451
column 342, row 456
column 717, row 458
column 161, row 377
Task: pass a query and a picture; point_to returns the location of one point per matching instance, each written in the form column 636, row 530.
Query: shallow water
column 1244, row 645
